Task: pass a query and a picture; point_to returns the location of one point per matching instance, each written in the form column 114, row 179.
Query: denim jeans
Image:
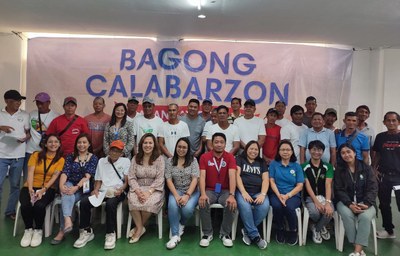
column 68, row 203
column 14, row 168
column 25, row 168
column 320, row 219
column 178, row 214
column 252, row 214
column 357, row 227
column 280, row 211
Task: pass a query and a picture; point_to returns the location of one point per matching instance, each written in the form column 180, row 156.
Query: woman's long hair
column 43, row 152
column 188, row 156
column 114, row 118
column 278, row 157
column 341, row 163
column 82, row 135
column 246, row 148
column 154, row 155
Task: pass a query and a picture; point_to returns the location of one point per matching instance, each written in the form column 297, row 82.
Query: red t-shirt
column 212, row 176
column 272, row 140
column 68, row 138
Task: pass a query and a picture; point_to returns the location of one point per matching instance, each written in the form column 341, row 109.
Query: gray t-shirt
column 181, row 177
column 196, row 127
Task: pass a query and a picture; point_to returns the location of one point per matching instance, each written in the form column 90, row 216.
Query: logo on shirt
column 75, row 131
column 361, row 177
column 293, row 172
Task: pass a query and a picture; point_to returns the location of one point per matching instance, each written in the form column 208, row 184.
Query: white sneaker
column 181, row 229
column 84, row 238
column 27, row 238
column 205, row 241
column 325, row 234
column 173, row 242
column 36, row 237
column 316, row 236
column 226, row 240
column 383, row 234
column 246, row 239
column 110, row 241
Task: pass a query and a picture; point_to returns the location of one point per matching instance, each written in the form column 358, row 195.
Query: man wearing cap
column 330, row 118
column 39, row 120
column 272, row 137
column 149, row 122
column 206, row 108
column 250, row 126
column 14, row 131
column 311, row 105
column 97, row 122
column 318, row 132
column 280, row 106
column 362, row 126
column 131, row 107
column 171, row 131
column 68, row 126
column 112, row 179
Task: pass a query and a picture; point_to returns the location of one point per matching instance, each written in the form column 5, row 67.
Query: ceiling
column 356, row 23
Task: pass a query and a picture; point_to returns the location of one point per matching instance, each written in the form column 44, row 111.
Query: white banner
column 178, row 71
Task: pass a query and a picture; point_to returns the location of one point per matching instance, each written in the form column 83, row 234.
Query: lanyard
column 353, row 179
column 220, row 165
column 316, row 177
column 46, row 169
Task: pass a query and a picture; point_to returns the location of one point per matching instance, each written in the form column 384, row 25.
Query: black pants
column 385, row 198
column 35, row 212
column 111, row 212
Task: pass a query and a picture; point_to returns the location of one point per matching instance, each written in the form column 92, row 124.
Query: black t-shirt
column 388, row 147
column 251, row 174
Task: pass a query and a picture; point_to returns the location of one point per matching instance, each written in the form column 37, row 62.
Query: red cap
column 117, row 144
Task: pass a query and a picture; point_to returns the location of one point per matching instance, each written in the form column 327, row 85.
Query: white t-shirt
column 206, row 129
column 143, row 125
column 292, row 133
column 172, row 132
column 283, row 122
column 231, row 133
column 10, row 147
column 33, row 143
column 128, row 118
column 250, row 129
column 106, row 173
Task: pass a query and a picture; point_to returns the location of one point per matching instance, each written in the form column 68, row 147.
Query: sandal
column 136, row 239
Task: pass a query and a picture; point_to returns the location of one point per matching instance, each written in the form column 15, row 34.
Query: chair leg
column 128, row 225
column 265, row 228
column 160, row 222
column 299, row 226
column 234, row 224
column 341, row 234
column 48, row 228
column 119, row 220
column 373, row 222
column 269, row 224
column 306, row 217
column 16, row 218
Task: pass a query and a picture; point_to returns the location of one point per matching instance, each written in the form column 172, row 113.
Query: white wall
column 12, row 67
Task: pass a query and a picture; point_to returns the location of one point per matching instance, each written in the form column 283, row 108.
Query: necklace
column 82, row 163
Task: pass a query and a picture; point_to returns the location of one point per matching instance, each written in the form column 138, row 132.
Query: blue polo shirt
column 286, row 177
column 326, row 136
column 360, row 143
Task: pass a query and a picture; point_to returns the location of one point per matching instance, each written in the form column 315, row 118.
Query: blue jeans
column 178, row 214
column 14, row 168
column 252, row 214
column 68, row 203
column 280, row 211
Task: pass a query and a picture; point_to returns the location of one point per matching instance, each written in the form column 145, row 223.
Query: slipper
column 56, row 242
column 132, row 232
column 136, row 239
column 67, row 230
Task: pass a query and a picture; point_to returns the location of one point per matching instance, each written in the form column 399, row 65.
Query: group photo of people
column 198, row 160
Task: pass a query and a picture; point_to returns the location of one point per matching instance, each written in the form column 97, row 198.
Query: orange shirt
column 39, row 169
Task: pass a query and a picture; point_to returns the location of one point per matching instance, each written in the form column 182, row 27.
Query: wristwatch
column 232, row 194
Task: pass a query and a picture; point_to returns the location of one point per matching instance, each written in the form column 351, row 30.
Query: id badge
column 218, row 187
column 86, row 187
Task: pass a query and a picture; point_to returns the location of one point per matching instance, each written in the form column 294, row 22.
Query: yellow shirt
column 39, row 169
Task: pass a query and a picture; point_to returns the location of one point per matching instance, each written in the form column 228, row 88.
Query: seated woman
column 44, row 168
column 121, row 129
column 146, row 181
column 181, row 173
column 318, row 181
column 252, row 182
column 79, row 168
column 356, row 189
column 286, row 181
column 111, row 180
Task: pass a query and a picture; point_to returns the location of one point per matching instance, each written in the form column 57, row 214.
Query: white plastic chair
column 299, row 225
column 47, row 220
column 342, row 231
column 220, row 206
column 159, row 219
column 119, row 217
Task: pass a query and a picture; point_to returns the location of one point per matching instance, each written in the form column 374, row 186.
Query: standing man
column 149, row 122
column 223, row 126
column 131, row 107
column 14, row 131
column 68, row 126
column 318, row 132
column 39, row 120
column 171, row 131
column 250, row 126
column 350, row 135
column 292, row 131
column 206, row 108
column 362, row 126
column 196, row 125
column 272, row 137
column 280, row 106
column 236, row 105
column 217, row 185
column 311, row 105
column 386, row 163
column 330, row 118
column 97, row 122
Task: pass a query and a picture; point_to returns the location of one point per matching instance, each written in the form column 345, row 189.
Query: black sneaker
column 292, row 238
column 280, row 236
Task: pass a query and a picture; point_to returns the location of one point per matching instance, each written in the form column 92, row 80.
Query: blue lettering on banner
column 147, row 59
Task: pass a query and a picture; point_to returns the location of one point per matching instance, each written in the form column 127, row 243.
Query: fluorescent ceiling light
column 58, row 35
